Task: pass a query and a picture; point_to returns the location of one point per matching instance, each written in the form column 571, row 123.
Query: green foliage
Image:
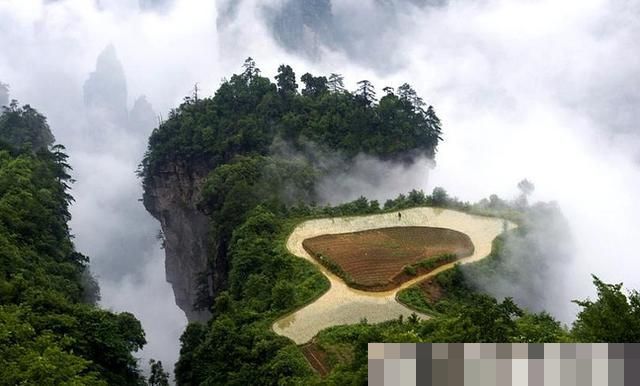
column 233, row 190
column 50, row 330
column 613, row 317
column 189, row 370
column 248, row 112
column 414, row 298
column 430, row 264
column 158, row 376
column 410, row 270
column 480, row 319
column 540, row 328
column 24, row 127
column 235, row 351
column 315, row 86
column 438, row 198
column 265, row 281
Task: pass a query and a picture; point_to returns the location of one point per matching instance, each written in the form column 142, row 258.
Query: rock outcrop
column 171, row 196
column 105, row 92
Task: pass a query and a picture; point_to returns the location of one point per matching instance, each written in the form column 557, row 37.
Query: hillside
column 257, row 142
column 51, row 331
column 231, row 176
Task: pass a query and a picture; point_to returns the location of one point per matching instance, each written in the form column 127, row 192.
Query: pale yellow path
column 344, row 305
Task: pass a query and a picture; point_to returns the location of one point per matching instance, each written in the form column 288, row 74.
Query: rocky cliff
column 171, row 196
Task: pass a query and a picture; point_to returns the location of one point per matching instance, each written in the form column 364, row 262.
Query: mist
column 542, row 90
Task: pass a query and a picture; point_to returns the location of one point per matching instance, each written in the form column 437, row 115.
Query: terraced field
column 382, row 259
column 344, row 305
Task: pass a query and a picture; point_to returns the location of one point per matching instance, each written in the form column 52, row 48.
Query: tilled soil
column 374, row 260
column 344, row 305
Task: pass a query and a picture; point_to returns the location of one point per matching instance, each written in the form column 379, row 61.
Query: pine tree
column 336, row 83
column 366, row 92
column 250, row 70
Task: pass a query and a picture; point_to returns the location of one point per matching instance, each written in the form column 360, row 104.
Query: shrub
column 410, row 270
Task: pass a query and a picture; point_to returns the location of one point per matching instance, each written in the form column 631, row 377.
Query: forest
column 51, row 331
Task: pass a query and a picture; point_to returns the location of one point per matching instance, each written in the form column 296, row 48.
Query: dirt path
column 344, row 305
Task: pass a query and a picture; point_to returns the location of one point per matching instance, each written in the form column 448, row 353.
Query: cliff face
column 171, row 196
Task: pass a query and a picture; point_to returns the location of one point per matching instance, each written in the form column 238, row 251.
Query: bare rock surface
column 171, row 197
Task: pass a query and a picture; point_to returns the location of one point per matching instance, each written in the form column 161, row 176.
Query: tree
column 250, row 70
column 410, row 98
column 526, row 188
column 50, row 332
column 24, row 127
column 439, row 197
column 286, row 80
column 314, row 85
column 434, row 125
column 539, row 328
column 366, row 92
column 158, row 376
column 283, row 295
column 336, row 83
column 187, row 370
column 611, row 318
column 480, row 319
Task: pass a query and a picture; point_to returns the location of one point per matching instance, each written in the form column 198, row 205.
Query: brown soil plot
column 374, row 259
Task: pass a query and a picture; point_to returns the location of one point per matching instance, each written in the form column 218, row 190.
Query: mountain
column 206, row 139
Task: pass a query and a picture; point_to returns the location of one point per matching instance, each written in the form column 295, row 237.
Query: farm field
column 342, row 304
column 375, row 260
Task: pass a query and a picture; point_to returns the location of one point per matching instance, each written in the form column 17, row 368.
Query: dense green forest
column 256, row 193
column 249, row 111
column 51, row 331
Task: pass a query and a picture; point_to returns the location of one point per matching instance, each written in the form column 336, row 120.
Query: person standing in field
column 399, row 216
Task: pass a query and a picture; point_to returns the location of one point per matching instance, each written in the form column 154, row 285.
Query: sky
column 543, row 90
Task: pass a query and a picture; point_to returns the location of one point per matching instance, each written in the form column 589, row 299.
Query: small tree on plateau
column 250, row 69
column 433, row 122
column 526, row 188
column 336, row 83
column 409, row 96
column 314, row 86
column 286, row 80
column 366, row 92
column 439, row 197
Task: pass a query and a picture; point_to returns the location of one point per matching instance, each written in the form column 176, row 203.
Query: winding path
column 344, row 305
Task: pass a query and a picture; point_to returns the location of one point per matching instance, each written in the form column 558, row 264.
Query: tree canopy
column 248, row 112
column 51, row 332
